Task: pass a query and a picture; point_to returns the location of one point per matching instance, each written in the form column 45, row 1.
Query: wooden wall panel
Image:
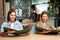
column 0, row 7
column 2, row 17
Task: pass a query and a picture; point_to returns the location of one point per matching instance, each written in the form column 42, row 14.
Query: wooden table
column 28, row 23
column 33, row 37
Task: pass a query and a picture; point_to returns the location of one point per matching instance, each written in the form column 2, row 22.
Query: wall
column 2, row 11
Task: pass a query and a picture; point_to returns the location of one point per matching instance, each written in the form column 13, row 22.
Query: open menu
column 47, row 31
column 18, row 32
column 5, row 29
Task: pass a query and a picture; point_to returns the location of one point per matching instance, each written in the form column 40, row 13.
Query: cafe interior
column 28, row 13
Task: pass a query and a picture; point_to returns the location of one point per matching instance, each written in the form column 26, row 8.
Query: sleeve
column 38, row 25
column 20, row 27
column 51, row 22
column 2, row 27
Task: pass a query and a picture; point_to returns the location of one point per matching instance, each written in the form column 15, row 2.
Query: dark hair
column 33, row 7
column 10, row 11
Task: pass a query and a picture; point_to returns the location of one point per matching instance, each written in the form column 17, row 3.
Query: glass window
column 22, row 8
column 39, row 1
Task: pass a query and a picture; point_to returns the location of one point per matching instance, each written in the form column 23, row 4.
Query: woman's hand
column 54, row 28
column 58, row 28
column 46, row 31
column 10, row 32
column 2, row 34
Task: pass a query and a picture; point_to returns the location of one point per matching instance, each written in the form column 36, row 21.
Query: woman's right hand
column 10, row 32
column 58, row 28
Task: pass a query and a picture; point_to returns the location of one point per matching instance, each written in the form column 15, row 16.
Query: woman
column 33, row 13
column 11, row 23
column 44, row 21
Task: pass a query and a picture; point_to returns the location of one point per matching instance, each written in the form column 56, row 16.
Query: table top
column 28, row 23
column 33, row 37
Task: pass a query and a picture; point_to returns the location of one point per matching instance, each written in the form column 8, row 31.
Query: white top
column 16, row 26
column 12, row 26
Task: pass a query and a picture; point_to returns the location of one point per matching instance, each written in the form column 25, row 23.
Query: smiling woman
column 44, row 26
column 44, row 21
column 11, row 23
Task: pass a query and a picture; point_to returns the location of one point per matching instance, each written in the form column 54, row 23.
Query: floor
column 33, row 37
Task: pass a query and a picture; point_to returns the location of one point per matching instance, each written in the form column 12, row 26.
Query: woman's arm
column 58, row 28
column 2, row 29
column 53, row 27
column 10, row 32
column 2, row 26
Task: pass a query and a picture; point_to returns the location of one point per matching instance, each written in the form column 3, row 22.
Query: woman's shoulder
column 38, row 24
column 50, row 23
column 17, row 21
column 5, row 22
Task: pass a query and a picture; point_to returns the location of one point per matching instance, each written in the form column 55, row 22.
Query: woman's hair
column 44, row 12
column 33, row 7
column 10, row 11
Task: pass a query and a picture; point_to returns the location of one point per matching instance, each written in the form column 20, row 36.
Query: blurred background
column 23, row 9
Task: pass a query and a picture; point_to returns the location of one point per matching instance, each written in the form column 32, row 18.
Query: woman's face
column 12, row 16
column 44, row 17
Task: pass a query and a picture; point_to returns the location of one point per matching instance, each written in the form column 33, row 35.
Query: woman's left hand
column 10, row 32
column 58, row 28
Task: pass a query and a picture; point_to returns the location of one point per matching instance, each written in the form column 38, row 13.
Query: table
column 28, row 23
column 32, row 24
column 33, row 37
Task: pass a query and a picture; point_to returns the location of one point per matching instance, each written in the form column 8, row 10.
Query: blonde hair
column 41, row 21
